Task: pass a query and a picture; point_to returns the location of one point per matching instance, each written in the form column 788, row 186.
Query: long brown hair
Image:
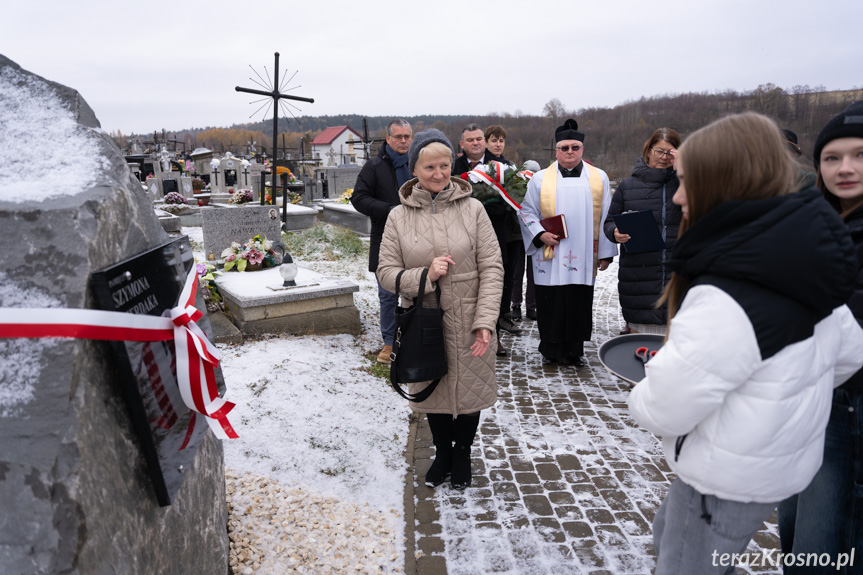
column 739, row 157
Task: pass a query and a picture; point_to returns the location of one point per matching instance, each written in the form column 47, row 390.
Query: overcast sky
column 145, row 66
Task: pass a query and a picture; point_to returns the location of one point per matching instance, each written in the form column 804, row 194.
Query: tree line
column 613, row 136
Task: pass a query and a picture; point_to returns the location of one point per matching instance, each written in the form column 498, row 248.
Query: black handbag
column 419, row 349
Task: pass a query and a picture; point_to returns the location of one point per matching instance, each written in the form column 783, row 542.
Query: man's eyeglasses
column 402, row 138
column 565, row 149
column 662, row 153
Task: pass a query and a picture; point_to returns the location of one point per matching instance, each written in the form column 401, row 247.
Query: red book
column 556, row 225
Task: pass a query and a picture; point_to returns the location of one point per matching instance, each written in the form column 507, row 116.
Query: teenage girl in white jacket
column 758, row 337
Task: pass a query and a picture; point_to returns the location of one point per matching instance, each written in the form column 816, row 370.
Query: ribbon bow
column 197, row 357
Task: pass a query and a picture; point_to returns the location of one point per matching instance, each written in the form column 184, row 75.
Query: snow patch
column 44, row 152
column 20, row 359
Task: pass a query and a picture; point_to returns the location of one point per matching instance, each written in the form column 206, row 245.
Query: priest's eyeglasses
column 661, row 153
column 565, row 149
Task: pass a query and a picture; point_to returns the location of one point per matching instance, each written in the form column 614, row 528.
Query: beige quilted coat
column 452, row 224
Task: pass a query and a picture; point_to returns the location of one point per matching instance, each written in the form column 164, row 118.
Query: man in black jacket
column 375, row 194
column 474, row 145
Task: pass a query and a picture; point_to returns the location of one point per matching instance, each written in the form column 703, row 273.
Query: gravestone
column 347, row 216
column 186, row 187
column 75, row 492
column 223, row 226
column 168, row 186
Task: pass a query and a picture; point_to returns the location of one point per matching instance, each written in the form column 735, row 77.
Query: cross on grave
column 366, row 141
column 276, row 95
column 331, row 155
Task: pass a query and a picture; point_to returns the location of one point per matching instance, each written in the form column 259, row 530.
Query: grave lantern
column 288, row 270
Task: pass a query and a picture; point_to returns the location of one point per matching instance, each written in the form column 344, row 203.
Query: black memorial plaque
column 230, row 177
column 169, row 186
column 151, row 284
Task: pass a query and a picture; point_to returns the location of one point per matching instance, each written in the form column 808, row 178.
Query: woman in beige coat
column 440, row 227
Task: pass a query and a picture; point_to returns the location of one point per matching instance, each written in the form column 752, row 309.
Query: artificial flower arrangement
column 207, row 277
column 198, row 184
column 241, row 196
column 289, row 175
column 255, row 253
column 176, row 199
column 513, row 181
column 151, row 176
column 345, row 198
column 293, row 197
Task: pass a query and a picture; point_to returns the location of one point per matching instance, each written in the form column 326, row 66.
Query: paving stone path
column 564, row 481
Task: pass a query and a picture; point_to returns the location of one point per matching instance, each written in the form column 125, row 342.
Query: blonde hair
column 739, row 157
column 434, row 150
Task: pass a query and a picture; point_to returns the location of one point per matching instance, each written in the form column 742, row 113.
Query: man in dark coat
column 375, row 194
column 474, row 145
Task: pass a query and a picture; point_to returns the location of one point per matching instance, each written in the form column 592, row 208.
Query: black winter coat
column 854, row 221
column 375, row 194
column 642, row 277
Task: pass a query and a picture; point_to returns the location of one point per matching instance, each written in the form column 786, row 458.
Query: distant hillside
column 614, row 136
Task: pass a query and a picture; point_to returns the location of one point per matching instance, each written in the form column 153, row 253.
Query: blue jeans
column 389, row 301
column 827, row 516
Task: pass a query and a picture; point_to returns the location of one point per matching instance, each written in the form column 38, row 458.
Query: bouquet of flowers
column 280, row 170
column 242, row 196
column 176, row 198
column 198, row 184
column 207, row 277
column 487, row 181
column 345, row 198
column 255, row 253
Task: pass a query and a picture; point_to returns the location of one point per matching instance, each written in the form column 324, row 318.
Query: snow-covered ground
column 317, row 477
column 322, row 433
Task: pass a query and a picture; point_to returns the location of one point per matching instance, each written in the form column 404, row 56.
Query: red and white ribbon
column 477, row 176
column 197, row 358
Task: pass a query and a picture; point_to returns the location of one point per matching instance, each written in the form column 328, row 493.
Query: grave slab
column 347, row 216
column 170, row 222
column 320, row 305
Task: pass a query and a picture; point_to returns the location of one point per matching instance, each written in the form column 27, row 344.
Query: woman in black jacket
column 642, row 277
column 827, row 516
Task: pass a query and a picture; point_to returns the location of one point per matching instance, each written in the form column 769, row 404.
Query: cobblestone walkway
column 564, row 479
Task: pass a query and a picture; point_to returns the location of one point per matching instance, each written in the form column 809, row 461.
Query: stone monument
column 75, row 494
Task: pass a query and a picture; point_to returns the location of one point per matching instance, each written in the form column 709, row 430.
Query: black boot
column 465, row 431
column 441, row 425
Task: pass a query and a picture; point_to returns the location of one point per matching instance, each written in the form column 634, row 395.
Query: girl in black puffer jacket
column 642, row 277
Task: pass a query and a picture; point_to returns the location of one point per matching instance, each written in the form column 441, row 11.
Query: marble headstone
column 75, row 494
column 223, row 226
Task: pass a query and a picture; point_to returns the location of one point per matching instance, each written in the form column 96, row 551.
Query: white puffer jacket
column 734, row 425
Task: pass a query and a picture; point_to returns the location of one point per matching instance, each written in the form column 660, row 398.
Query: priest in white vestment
column 564, row 269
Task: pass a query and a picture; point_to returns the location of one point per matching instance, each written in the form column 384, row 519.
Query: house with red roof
column 334, row 147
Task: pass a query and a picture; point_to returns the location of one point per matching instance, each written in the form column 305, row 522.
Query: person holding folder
column 644, row 274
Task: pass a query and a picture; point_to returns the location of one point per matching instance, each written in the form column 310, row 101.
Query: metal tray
column 617, row 355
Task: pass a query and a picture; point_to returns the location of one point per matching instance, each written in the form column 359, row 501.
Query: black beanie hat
column 569, row 131
column 848, row 124
column 423, row 139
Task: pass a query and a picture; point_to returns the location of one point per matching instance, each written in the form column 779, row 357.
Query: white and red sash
column 196, row 356
column 476, row 176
